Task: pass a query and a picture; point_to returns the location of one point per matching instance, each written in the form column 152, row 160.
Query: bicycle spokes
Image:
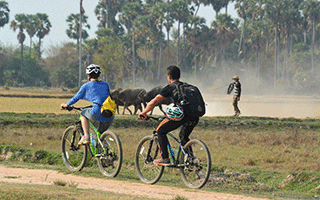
column 197, row 164
column 146, row 153
column 109, row 153
column 74, row 156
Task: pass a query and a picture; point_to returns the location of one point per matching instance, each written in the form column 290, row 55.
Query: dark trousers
column 235, row 105
column 167, row 125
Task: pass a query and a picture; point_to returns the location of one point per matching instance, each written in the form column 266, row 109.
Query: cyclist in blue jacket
column 97, row 92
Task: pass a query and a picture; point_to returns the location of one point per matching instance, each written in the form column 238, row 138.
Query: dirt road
column 48, row 177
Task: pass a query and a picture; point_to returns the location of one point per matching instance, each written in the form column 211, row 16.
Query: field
column 269, row 149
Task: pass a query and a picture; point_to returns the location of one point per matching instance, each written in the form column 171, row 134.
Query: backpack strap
column 180, row 92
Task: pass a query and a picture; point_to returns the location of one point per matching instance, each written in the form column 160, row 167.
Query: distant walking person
column 237, row 93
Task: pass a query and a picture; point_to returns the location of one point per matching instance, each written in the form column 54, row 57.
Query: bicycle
column 105, row 148
column 193, row 159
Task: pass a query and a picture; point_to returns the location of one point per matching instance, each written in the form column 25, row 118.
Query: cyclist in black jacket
column 175, row 116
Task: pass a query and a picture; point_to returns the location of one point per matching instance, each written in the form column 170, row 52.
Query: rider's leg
column 187, row 128
column 85, row 116
column 164, row 127
column 104, row 126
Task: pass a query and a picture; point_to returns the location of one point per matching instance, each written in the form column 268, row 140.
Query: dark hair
column 174, row 72
column 94, row 75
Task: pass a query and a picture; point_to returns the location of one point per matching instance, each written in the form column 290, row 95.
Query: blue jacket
column 95, row 92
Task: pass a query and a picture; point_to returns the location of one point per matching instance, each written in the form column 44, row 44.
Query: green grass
column 282, row 155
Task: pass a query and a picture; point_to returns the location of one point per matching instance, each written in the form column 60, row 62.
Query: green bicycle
column 107, row 150
column 193, row 159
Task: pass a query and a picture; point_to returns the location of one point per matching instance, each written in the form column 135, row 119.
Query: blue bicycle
column 192, row 159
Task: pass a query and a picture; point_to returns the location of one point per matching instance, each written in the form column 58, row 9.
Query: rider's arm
column 152, row 104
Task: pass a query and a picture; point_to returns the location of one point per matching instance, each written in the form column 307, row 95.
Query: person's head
column 93, row 71
column 236, row 78
column 173, row 72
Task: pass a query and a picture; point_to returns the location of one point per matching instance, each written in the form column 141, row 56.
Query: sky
column 59, row 10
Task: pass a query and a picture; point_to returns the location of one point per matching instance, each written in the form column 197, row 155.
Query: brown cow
column 130, row 97
column 147, row 97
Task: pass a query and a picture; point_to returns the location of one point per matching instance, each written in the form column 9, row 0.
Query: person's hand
column 232, row 82
column 142, row 116
column 238, row 98
column 64, row 105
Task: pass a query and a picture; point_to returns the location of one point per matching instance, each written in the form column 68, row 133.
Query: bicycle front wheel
column 146, row 153
column 197, row 164
column 74, row 156
column 110, row 154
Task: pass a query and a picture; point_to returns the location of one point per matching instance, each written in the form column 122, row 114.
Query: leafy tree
column 111, row 58
column 62, row 64
column 4, row 13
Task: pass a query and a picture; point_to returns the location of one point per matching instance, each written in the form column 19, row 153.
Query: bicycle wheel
column 110, row 159
column 74, row 156
column 197, row 164
column 146, row 153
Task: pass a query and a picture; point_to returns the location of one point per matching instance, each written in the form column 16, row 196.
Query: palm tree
column 19, row 22
column 225, row 28
column 101, row 11
column 129, row 13
column 4, row 13
column 31, row 27
column 142, row 30
column 74, row 26
column 168, row 23
column 180, row 13
column 106, row 11
column 311, row 9
column 196, row 34
column 274, row 13
column 159, row 10
column 43, row 28
column 242, row 9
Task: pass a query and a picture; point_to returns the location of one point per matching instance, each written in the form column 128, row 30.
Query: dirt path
column 47, row 177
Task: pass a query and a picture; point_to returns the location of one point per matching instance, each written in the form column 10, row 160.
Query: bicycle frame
column 175, row 160
column 94, row 148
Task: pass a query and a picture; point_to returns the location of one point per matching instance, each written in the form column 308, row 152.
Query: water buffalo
column 148, row 96
column 129, row 97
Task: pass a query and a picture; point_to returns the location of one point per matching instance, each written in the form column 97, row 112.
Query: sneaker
column 84, row 140
column 162, row 162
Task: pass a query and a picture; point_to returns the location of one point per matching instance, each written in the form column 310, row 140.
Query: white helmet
column 174, row 113
column 93, row 69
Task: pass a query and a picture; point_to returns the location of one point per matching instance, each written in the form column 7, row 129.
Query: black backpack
column 190, row 99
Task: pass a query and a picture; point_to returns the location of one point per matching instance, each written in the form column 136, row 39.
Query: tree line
column 272, row 43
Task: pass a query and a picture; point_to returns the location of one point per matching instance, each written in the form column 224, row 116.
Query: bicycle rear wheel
column 197, row 164
column 110, row 159
column 74, row 156
column 146, row 153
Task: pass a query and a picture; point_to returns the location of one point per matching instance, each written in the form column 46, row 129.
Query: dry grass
column 32, row 192
column 283, row 150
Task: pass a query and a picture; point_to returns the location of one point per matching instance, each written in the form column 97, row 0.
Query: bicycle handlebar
column 154, row 118
column 69, row 108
